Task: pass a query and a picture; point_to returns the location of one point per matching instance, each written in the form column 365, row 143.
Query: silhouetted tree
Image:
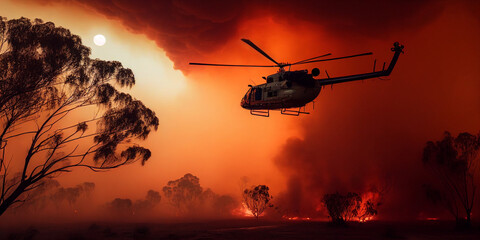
column 217, row 205
column 439, row 197
column 121, row 206
column 150, row 201
column 39, row 198
column 208, row 195
column 153, row 196
column 224, row 205
column 51, row 192
column 72, row 194
column 183, row 193
column 455, row 163
column 257, row 199
column 46, row 81
column 88, row 188
column 342, row 208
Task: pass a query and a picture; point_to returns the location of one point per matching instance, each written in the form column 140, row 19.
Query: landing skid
column 260, row 113
column 291, row 112
column 284, row 111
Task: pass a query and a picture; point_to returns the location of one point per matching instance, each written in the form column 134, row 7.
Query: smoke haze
column 361, row 136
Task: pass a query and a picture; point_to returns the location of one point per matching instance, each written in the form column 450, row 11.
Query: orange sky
column 204, row 131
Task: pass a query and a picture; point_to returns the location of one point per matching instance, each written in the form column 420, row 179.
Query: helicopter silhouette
column 288, row 90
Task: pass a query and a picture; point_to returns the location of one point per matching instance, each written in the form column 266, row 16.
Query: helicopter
column 290, row 91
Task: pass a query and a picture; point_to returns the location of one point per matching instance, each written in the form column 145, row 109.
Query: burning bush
column 342, row 208
column 351, row 207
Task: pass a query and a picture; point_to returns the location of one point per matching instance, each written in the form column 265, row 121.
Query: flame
column 296, row 218
column 363, row 220
column 242, row 211
column 362, row 216
column 373, row 197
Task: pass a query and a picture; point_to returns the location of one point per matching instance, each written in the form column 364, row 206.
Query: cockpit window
column 247, row 95
column 258, row 94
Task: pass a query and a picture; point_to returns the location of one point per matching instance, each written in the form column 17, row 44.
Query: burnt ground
column 241, row 229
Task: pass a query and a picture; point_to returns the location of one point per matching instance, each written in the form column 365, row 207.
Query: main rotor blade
column 337, row 58
column 328, row 54
column 260, row 50
column 231, row 65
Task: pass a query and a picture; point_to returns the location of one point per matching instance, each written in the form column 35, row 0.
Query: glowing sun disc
column 99, row 40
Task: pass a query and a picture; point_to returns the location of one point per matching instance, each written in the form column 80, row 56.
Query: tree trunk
column 11, row 199
column 468, row 223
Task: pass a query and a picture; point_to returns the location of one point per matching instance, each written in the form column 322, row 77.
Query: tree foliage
column 188, row 198
column 121, row 207
column 62, row 109
column 151, row 200
column 72, row 194
column 183, row 193
column 454, row 161
column 257, row 199
column 51, row 193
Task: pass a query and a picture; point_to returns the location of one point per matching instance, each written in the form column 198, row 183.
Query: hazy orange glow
column 359, row 134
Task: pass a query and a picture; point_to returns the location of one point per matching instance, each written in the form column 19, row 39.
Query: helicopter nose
column 243, row 104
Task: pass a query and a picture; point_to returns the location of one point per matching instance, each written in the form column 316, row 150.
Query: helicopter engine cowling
column 287, row 84
column 315, row 72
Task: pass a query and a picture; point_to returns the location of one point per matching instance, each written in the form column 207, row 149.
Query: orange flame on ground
column 373, row 197
column 242, row 211
column 365, row 219
column 296, row 218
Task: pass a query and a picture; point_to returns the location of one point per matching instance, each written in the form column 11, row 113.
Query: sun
column 99, row 40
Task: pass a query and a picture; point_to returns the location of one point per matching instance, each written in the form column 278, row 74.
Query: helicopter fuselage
column 294, row 89
column 284, row 89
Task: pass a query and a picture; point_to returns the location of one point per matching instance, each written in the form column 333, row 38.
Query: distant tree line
column 126, row 207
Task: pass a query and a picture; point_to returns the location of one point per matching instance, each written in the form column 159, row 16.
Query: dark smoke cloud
column 186, row 29
column 370, row 135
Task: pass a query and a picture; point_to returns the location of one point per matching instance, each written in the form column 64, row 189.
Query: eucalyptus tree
column 257, row 199
column 61, row 110
column 454, row 161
